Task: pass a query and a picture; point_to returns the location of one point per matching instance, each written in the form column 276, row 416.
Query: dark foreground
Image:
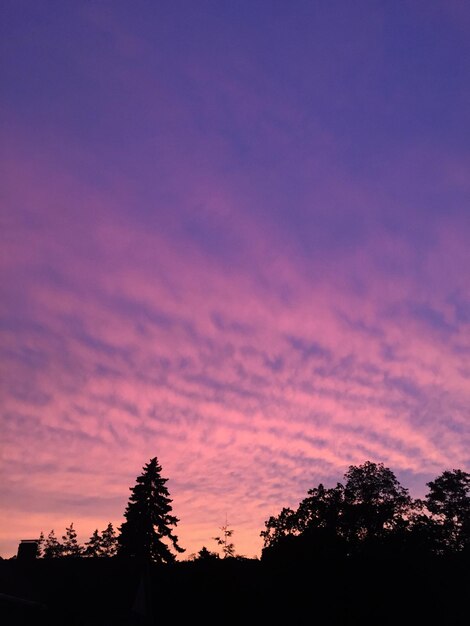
column 86, row 592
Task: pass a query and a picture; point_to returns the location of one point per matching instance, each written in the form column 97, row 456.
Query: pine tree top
column 147, row 529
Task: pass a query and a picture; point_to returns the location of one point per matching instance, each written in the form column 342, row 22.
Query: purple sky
column 234, row 235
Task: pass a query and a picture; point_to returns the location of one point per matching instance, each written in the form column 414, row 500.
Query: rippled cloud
column 232, row 288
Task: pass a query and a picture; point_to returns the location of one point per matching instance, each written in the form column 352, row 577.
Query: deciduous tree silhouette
column 285, row 524
column 375, row 504
column 449, row 502
column 370, row 513
column 323, row 509
column 147, row 528
column 228, row 547
column 314, row 529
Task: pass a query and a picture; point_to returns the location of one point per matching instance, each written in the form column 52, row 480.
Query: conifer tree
column 108, row 541
column 102, row 544
column 41, row 541
column 93, row 545
column 52, row 547
column 147, row 530
column 71, row 546
column 206, row 555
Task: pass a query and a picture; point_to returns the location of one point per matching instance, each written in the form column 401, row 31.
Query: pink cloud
column 126, row 341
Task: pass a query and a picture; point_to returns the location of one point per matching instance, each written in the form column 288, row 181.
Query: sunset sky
column 235, row 236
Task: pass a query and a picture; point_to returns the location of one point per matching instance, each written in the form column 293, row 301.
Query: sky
column 235, row 236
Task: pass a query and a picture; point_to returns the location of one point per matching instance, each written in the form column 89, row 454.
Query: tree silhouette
column 108, row 541
column 323, row 509
column 372, row 512
column 41, row 541
column 102, row 545
column 148, row 519
column 285, row 524
column 71, row 547
column 314, row 529
column 206, row 555
column 93, row 545
column 52, row 547
column 375, row 504
column 228, row 547
column 449, row 501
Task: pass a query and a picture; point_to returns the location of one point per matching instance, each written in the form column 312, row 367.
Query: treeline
column 373, row 514
column 100, row 544
column 370, row 514
column 144, row 534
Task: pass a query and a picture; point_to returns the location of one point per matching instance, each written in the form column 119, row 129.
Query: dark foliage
column 206, row 555
column 147, row 533
column 448, row 501
column 52, row 547
column 372, row 515
column 109, row 541
column 361, row 553
column 102, row 545
column 224, row 541
column 70, row 546
column 93, row 545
